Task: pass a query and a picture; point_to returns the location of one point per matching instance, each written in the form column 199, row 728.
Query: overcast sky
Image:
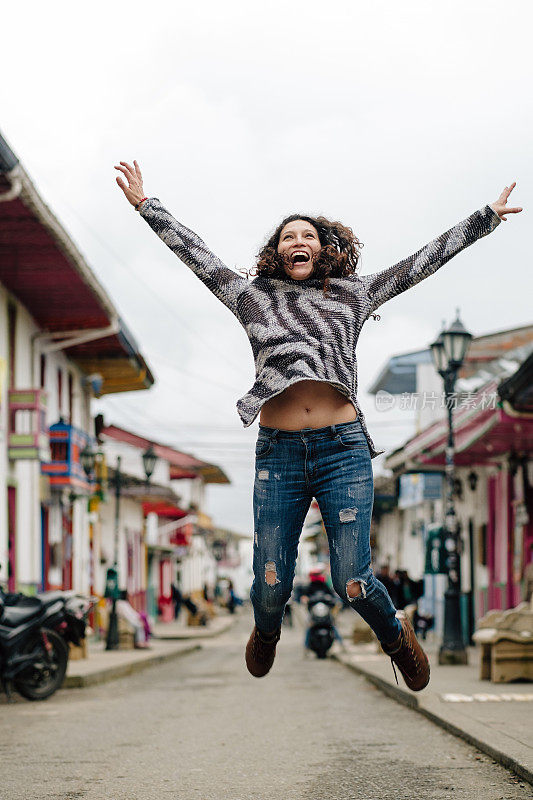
column 399, row 119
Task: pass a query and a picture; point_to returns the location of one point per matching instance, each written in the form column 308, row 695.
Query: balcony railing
column 64, row 467
column 28, row 432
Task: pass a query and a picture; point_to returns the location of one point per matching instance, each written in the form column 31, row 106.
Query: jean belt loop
column 275, row 433
column 334, row 431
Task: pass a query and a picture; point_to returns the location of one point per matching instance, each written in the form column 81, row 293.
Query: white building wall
column 131, row 461
column 429, row 381
column 245, row 573
column 3, row 434
column 26, row 474
column 130, row 520
column 191, row 492
column 400, row 537
column 81, row 566
column 198, row 567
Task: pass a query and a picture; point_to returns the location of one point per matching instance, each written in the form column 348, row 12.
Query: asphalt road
column 202, row 728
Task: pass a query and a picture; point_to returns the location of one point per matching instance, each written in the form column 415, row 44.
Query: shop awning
column 42, row 267
column 166, row 510
column 181, row 465
column 481, row 436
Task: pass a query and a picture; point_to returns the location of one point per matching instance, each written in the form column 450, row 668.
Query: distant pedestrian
column 233, row 599
column 303, row 314
column 408, row 591
column 177, row 599
column 133, row 618
column 388, row 582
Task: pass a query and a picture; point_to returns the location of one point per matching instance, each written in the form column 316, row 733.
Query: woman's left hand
column 500, row 206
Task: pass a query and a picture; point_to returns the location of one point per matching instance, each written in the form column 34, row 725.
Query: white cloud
column 398, row 119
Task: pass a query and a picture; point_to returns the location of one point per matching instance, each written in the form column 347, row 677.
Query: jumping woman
column 303, row 314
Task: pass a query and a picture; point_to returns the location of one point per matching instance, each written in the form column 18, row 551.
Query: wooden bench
column 506, row 641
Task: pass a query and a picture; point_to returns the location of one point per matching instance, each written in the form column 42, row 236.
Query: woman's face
column 299, row 246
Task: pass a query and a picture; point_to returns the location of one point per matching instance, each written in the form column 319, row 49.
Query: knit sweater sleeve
column 382, row 286
column 225, row 284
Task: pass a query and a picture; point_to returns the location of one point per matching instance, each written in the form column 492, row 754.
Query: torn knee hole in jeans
column 355, row 589
column 347, row 514
column 271, row 576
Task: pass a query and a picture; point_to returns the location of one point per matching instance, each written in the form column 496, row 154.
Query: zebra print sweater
column 295, row 332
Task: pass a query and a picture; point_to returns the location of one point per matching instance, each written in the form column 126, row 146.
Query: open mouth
column 299, row 258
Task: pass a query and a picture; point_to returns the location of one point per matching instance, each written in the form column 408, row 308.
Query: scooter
column 320, row 633
column 33, row 655
column 76, row 607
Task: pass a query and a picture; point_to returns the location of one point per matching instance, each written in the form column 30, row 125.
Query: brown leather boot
column 408, row 656
column 261, row 652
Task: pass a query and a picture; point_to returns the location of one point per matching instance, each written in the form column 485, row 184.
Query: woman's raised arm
column 222, row 281
column 382, row 286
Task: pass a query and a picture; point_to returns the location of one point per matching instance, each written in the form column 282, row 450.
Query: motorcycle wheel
column 321, row 653
column 46, row 674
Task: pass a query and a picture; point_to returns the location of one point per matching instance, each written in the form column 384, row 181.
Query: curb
column 428, row 707
column 121, row 670
column 202, row 633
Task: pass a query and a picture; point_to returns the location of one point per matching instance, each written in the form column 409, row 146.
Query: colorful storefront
column 493, row 454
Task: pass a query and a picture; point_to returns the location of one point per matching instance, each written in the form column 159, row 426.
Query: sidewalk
column 103, row 666
column 179, row 629
column 170, row 640
column 496, row 718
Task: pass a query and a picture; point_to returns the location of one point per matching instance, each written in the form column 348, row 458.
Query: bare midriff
column 307, row 404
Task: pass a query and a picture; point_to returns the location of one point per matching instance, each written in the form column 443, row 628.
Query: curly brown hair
column 338, row 257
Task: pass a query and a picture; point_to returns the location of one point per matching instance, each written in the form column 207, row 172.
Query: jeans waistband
column 312, row 433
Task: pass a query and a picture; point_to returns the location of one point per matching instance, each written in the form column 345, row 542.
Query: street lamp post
column 448, row 353
column 149, row 458
column 112, row 588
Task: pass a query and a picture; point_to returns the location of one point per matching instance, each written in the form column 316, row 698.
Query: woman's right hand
column 134, row 190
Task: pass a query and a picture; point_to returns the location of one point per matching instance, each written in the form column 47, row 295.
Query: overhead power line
column 172, row 310
column 200, row 378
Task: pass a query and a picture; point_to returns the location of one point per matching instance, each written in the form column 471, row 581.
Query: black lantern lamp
column 472, row 480
column 149, row 458
column 88, row 461
column 437, row 352
column 456, row 341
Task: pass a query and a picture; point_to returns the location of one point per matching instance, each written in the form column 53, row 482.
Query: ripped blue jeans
column 333, row 465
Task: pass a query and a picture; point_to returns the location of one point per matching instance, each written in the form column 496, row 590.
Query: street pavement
column 180, row 630
column 202, row 727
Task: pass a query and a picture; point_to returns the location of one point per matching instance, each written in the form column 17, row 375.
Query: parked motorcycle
column 49, row 620
column 33, row 655
column 320, row 633
column 76, row 609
